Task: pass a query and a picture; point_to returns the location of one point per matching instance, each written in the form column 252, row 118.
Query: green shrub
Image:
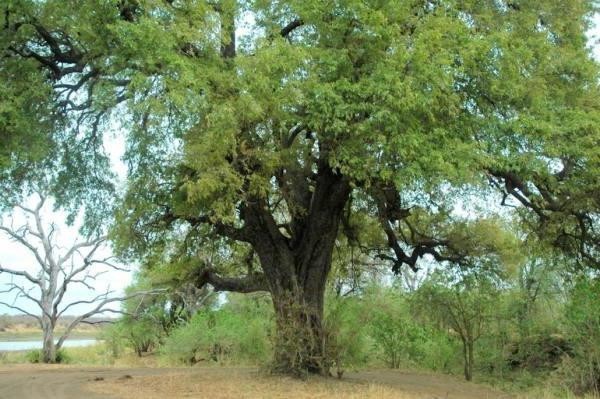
column 35, row 356
column 219, row 336
column 397, row 336
column 438, row 352
column 141, row 335
column 540, row 352
column 581, row 371
column 112, row 337
column 345, row 327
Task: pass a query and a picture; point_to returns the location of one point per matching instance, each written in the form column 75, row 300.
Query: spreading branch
column 251, row 283
column 390, row 211
column 289, row 28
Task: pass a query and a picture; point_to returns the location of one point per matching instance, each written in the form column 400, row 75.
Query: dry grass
column 247, row 383
column 552, row 393
column 72, row 382
column 243, row 384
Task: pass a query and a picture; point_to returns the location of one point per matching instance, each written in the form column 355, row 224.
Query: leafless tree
column 58, row 269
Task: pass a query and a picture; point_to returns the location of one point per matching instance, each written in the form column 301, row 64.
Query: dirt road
column 68, row 382
column 60, row 382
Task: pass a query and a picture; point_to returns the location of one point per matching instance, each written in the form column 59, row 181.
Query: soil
column 74, row 382
column 60, row 382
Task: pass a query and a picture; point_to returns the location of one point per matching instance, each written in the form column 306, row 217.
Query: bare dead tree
column 58, row 270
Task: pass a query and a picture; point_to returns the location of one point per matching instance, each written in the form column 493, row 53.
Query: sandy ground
column 60, row 382
column 69, row 382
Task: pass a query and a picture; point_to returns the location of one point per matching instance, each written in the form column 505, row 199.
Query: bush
column 347, row 335
column 35, row 356
column 219, row 336
column 141, row 335
column 438, row 352
column 538, row 352
column 581, row 371
column 112, row 336
column 398, row 337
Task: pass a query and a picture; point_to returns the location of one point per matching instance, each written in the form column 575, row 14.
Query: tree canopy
column 258, row 132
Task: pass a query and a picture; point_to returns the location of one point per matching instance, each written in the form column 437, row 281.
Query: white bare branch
column 95, row 244
column 21, row 273
column 59, row 269
column 100, row 308
column 103, row 296
column 21, row 293
column 21, row 238
column 17, row 308
column 107, row 262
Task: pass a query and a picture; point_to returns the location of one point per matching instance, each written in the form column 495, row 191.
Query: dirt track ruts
column 70, row 382
column 60, row 382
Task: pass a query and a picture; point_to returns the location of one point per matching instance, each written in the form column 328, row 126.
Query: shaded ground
column 68, row 382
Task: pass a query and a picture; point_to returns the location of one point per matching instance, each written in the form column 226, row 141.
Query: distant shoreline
column 31, row 345
column 13, row 336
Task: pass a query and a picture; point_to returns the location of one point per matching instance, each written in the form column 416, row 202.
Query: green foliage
column 464, row 303
column 346, row 328
column 438, row 351
column 113, row 339
column 36, row 356
column 220, row 336
column 396, row 335
column 539, row 353
column 151, row 317
column 140, row 329
column 380, row 325
column 142, row 335
column 26, row 120
column 431, row 101
column 581, row 372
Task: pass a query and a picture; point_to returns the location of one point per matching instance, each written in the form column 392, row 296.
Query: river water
column 28, row 345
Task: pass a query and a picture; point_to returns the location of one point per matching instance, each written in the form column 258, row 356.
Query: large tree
column 260, row 131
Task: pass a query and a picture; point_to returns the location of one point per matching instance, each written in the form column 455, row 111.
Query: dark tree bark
column 294, row 270
column 297, row 269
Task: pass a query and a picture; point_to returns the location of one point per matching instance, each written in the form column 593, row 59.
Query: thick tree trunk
column 296, row 268
column 48, row 346
column 299, row 294
column 300, row 345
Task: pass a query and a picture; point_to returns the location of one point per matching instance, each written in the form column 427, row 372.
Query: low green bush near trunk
column 36, row 356
column 219, row 336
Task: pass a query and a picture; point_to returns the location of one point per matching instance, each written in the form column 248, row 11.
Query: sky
column 15, row 256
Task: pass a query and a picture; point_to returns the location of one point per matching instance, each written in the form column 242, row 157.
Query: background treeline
column 530, row 326
column 20, row 323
